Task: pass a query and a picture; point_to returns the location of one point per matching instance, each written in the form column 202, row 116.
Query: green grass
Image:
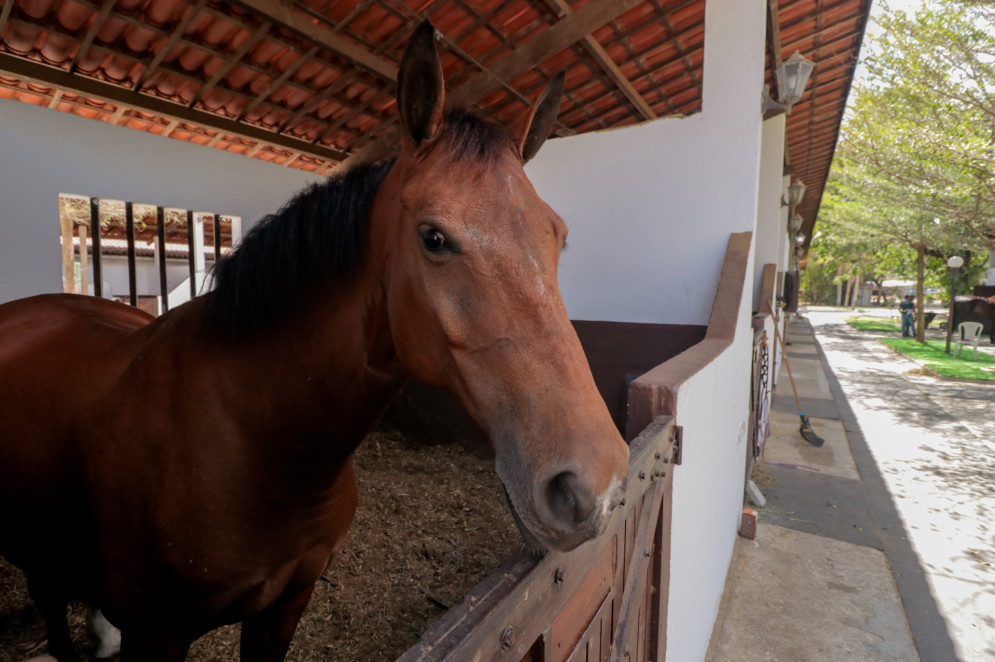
column 868, row 324
column 931, row 354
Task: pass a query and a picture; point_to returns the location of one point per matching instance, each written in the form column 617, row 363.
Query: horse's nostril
column 569, row 502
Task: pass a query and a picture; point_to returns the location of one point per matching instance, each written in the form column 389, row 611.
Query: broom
column 806, row 427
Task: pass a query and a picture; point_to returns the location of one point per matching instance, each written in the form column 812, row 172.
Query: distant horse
column 195, row 470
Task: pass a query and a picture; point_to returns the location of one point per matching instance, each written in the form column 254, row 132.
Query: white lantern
column 792, row 77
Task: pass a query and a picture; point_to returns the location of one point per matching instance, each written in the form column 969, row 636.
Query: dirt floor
column 431, row 524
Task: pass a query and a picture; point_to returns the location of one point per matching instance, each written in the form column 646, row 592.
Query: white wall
column 44, row 152
column 650, row 210
column 713, row 407
column 650, row 207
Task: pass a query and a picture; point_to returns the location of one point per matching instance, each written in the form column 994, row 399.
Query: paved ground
column 880, row 544
column 934, row 443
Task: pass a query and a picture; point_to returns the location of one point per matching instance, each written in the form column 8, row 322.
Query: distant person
column 908, row 310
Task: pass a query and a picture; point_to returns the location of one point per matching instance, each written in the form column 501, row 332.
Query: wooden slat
column 101, row 91
column 278, row 81
column 232, row 60
column 8, row 5
column 98, row 282
column 160, row 228
column 283, row 15
column 91, row 33
column 595, row 50
column 178, row 31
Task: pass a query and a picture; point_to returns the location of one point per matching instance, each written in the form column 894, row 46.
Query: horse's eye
column 433, row 240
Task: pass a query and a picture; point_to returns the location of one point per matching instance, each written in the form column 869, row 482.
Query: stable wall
column 44, row 152
column 772, row 217
column 650, row 207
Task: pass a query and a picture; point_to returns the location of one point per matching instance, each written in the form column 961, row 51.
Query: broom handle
column 784, row 353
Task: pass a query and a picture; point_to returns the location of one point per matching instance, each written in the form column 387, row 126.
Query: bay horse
column 194, row 470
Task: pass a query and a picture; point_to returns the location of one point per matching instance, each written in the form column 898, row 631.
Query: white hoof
column 108, row 637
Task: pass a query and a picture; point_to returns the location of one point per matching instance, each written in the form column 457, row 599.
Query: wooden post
column 98, row 282
column 84, row 266
column 129, row 226
column 160, row 222
column 68, row 256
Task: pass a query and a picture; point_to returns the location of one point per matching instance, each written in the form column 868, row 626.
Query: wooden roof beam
column 34, row 72
column 281, row 14
column 177, row 33
column 595, row 50
column 562, row 35
column 91, row 33
column 774, row 43
column 8, row 5
column 232, row 60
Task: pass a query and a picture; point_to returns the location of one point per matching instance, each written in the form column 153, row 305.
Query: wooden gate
column 605, row 601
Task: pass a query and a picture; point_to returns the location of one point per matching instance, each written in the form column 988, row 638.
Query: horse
column 194, row 470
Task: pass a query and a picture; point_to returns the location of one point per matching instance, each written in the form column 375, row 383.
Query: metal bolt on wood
column 622, row 501
column 642, row 475
column 507, row 638
column 558, row 576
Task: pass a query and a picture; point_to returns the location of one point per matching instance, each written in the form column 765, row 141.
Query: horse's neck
column 318, row 381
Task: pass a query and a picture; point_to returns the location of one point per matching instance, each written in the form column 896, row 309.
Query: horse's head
column 469, row 257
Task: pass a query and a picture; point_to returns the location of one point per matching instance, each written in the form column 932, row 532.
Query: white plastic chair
column 968, row 333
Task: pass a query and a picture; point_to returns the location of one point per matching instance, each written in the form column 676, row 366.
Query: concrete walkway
column 880, row 544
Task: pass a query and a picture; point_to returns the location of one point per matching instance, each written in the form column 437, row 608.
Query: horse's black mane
column 319, row 236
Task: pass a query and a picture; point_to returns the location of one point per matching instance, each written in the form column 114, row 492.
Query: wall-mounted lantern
column 792, row 77
column 800, row 239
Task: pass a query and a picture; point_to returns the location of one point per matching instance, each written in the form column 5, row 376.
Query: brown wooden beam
column 774, row 43
column 56, row 98
column 283, row 15
column 29, row 70
column 595, row 50
column 278, row 81
column 8, row 5
column 232, row 60
column 177, row 33
column 91, row 33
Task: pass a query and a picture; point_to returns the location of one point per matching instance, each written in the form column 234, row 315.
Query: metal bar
column 160, row 226
column 217, row 238
column 191, row 262
column 98, row 281
column 129, row 224
column 34, row 72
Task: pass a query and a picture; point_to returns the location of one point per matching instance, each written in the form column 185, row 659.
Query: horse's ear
column 420, row 88
column 535, row 125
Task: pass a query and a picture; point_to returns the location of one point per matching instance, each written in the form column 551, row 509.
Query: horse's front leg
column 147, row 646
column 266, row 636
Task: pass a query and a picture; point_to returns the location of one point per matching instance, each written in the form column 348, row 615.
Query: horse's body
column 194, row 470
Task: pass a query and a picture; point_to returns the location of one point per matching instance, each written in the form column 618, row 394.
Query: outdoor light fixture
column 800, row 238
column 796, row 191
column 792, row 77
column 955, row 262
column 794, row 223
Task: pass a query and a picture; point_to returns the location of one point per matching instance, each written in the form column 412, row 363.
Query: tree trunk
column 920, row 295
column 846, row 298
column 856, row 288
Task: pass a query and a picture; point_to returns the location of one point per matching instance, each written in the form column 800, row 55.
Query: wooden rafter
column 283, row 15
column 278, row 81
column 91, row 33
column 8, row 5
column 232, row 60
column 774, row 43
column 177, row 32
column 598, row 53
column 29, row 70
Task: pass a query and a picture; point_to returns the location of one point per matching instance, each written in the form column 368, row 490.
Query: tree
column 915, row 163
